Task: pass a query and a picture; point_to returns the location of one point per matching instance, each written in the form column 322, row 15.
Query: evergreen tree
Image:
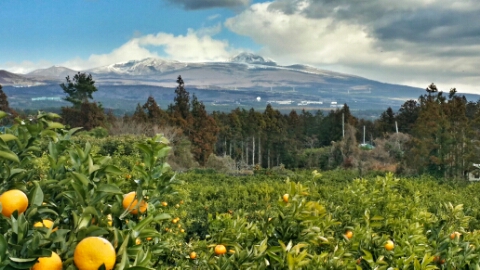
column 153, row 112
column 79, row 89
column 83, row 113
column 4, row 105
column 386, row 123
column 180, row 110
column 203, row 132
column 407, row 116
column 139, row 116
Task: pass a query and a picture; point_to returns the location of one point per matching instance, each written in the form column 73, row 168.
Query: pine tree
column 180, row 111
column 139, row 116
column 79, row 89
column 203, row 132
column 154, row 114
column 4, row 105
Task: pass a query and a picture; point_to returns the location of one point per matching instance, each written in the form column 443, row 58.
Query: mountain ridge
column 240, row 81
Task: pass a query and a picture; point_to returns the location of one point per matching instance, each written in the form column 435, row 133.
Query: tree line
column 436, row 134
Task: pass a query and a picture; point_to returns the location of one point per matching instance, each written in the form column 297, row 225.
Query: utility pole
column 364, row 135
column 343, row 125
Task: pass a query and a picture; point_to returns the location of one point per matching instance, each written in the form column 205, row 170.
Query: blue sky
column 412, row 42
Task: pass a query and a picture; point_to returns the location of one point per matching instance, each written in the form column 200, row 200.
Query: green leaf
column 3, row 247
column 54, row 125
column 7, row 137
column 80, row 177
column 3, row 114
column 112, row 169
column 36, row 196
column 9, row 155
column 109, row 188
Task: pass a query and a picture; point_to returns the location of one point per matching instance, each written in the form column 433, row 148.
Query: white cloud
column 25, row 66
column 195, row 46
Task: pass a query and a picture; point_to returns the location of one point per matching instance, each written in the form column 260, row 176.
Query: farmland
column 202, row 219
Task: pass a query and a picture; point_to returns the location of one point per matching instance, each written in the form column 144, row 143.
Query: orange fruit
column 182, row 230
column 454, row 235
column 389, row 245
column 164, row 203
column 130, row 203
column 48, row 263
column 220, row 250
column 349, row 234
column 13, row 200
column 92, row 252
column 285, row 198
column 138, row 241
column 193, row 255
column 46, row 223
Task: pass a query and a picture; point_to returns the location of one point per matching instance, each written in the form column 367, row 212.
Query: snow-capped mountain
column 146, row 66
column 245, row 70
column 243, row 77
column 51, row 73
column 250, row 58
column 9, row 78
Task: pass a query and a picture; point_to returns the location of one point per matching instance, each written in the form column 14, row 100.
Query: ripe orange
column 46, row 223
column 13, row 200
column 48, row 263
column 285, row 198
column 454, row 235
column 193, row 255
column 130, row 203
column 164, row 203
column 389, row 245
column 92, row 252
column 349, row 234
column 220, row 250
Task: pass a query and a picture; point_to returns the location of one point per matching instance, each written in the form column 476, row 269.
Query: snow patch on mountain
column 250, row 58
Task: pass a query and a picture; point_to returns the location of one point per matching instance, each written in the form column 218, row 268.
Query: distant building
column 474, row 174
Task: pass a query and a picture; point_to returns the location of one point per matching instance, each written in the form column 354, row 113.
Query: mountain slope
column 8, row 78
column 51, row 73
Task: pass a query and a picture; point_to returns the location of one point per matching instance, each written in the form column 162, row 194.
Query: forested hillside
column 435, row 134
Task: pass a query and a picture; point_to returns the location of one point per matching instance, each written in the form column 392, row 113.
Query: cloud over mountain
column 411, row 41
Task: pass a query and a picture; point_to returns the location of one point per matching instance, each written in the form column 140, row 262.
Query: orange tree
column 82, row 194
